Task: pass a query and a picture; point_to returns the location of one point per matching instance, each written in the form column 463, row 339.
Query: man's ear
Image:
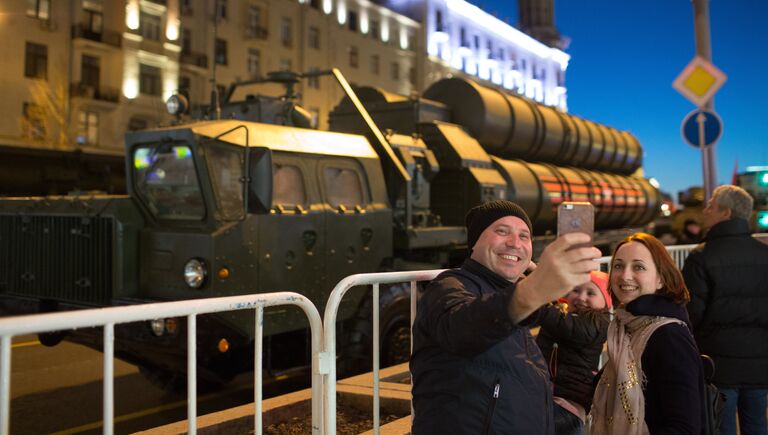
column 727, row 213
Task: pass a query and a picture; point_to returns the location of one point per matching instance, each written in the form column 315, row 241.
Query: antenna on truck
column 215, row 104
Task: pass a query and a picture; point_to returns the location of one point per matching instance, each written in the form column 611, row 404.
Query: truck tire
column 176, row 382
column 394, row 331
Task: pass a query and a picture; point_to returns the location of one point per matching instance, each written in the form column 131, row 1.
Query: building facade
column 79, row 74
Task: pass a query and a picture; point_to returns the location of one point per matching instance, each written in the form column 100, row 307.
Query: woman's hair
column 672, row 284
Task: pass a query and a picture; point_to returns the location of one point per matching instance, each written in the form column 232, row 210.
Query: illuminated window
column 40, row 9
column 36, row 61
column 87, row 128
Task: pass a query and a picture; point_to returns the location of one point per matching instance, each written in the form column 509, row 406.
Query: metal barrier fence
column 329, row 337
column 323, row 337
column 109, row 317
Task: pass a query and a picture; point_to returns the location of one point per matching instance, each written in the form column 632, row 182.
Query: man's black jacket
column 728, row 280
column 474, row 371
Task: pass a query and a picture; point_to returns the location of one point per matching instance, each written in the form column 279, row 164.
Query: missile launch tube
column 511, row 126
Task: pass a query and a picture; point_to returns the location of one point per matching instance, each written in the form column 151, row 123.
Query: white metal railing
column 329, row 336
column 108, row 317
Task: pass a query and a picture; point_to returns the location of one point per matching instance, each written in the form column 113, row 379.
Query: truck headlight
column 195, row 273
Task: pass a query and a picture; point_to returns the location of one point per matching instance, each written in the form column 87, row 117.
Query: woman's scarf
column 619, row 405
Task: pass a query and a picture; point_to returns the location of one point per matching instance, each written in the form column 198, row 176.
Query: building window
column 315, row 4
column 314, row 38
column 315, row 120
column 149, row 80
column 186, row 41
column 254, row 62
column 33, row 121
column 285, row 32
column 255, row 29
column 375, row 64
column 186, row 7
column 185, row 86
column 285, row 64
column 150, row 26
column 87, row 128
column 36, row 61
column 394, row 71
column 90, row 71
column 352, row 21
column 313, row 81
column 222, row 12
column 221, row 52
column 439, row 21
column 375, row 32
column 463, row 37
column 412, row 75
column 353, row 56
column 560, row 78
column 40, row 9
column 93, row 20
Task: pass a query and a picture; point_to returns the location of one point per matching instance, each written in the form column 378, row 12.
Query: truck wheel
column 50, row 339
column 394, row 329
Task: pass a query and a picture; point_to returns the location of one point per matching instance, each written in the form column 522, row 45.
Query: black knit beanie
column 482, row 216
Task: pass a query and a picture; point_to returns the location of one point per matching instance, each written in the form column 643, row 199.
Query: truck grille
column 63, row 258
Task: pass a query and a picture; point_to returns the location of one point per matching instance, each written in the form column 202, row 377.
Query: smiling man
column 476, row 368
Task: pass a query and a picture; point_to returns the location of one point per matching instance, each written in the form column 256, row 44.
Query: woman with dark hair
column 653, row 381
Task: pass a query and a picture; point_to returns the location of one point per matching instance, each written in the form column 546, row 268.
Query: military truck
column 259, row 202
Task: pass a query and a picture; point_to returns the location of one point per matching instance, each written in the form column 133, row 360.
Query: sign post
column 699, row 82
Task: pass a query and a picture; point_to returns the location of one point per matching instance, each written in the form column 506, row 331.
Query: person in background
column 476, row 368
column 653, row 381
column 690, row 234
column 728, row 279
column 571, row 338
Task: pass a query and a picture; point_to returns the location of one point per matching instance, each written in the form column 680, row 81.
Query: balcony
column 256, row 33
column 108, row 37
column 192, row 58
column 100, row 93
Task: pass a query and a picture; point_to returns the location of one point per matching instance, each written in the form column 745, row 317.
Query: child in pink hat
column 571, row 338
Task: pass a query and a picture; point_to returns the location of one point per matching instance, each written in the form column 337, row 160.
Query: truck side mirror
column 260, row 184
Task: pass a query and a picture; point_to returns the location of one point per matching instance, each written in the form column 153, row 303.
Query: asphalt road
column 59, row 390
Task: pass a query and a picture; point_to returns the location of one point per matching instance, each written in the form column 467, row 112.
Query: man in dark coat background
column 476, row 368
column 727, row 276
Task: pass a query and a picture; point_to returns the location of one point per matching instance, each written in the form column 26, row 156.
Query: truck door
column 291, row 236
column 353, row 226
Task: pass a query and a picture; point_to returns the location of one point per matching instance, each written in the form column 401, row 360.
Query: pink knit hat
column 601, row 281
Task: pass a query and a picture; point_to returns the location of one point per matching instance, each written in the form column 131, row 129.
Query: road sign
column 701, row 128
column 699, row 81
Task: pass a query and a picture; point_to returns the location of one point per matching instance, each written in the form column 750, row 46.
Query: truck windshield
column 167, row 181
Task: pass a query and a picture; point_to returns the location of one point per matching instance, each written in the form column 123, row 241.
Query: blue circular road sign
column 702, row 127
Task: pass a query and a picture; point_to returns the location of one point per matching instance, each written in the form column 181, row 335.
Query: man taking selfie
column 475, row 366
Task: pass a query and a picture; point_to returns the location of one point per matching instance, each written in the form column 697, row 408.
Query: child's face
column 585, row 296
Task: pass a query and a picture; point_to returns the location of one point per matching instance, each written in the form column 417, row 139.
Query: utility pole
column 704, row 49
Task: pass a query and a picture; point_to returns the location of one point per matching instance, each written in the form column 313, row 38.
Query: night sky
column 625, row 56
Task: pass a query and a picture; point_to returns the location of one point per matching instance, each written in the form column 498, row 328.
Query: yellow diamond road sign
column 699, row 81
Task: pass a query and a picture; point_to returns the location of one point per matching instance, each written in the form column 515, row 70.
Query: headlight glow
column 195, row 273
